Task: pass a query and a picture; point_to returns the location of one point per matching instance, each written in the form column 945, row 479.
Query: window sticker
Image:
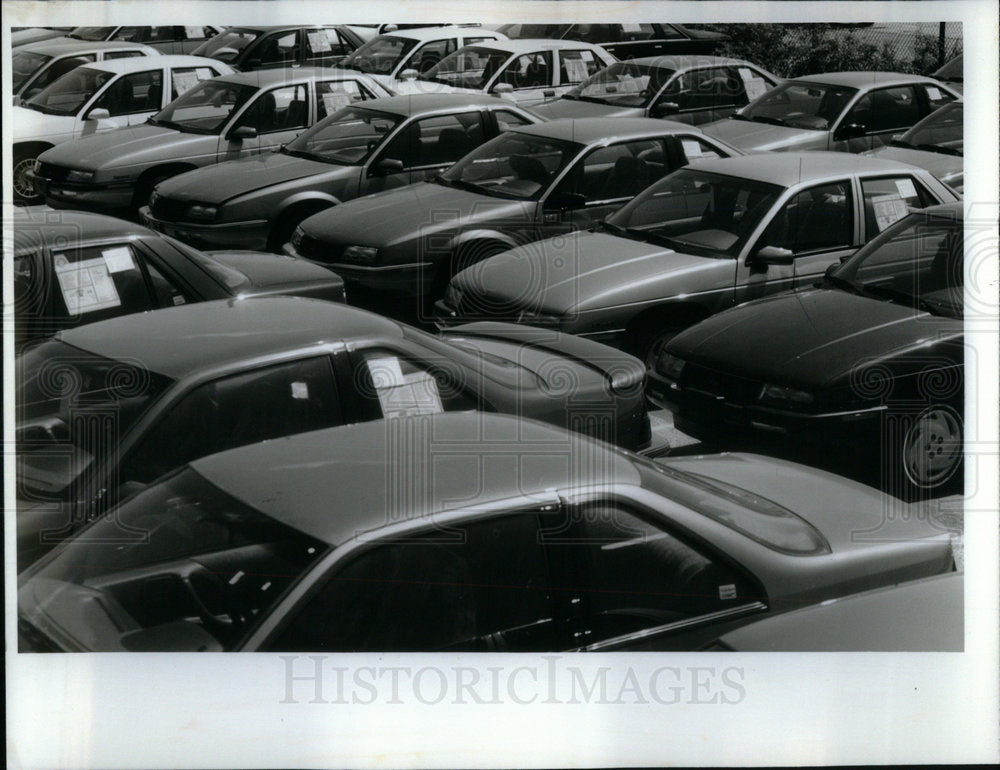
column 319, row 42
column 576, row 70
column 86, row 286
column 193, row 33
column 631, row 27
column 185, row 81
column 118, row 260
column 727, row 591
column 179, row 299
column 692, row 148
column 300, row 390
column 888, row 209
column 755, row 87
column 403, row 394
column 335, row 101
column 933, row 93
column 906, row 188
column 204, row 73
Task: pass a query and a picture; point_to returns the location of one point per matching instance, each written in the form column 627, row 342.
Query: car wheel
column 932, row 448
column 24, row 190
column 648, row 344
column 144, row 189
column 282, row 231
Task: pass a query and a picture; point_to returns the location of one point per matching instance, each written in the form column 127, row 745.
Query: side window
column 398, row 385
column 277, row 49
column 122, row 55
column 324, row 44
column 507, row 120
column 99, row 282
column 707, row 88
column 533, row 70
column 477, row 587
column 886, row 109
column 333, row 95
column 138, row 92
column 698, row 149
column 435, row 141
column 747, row 84
column 668, row 32
column 429, row 55
column 280, row 109
column 184, row 79
column 618, row 171
column 936, row 97
column 593, row 33
column 817, row 219
column 60, row 68
column 234, row 411
column 889, row 199
column 165, row 292
column 577, row 66
column 165, row 34
column 639, row 32
column 133, row 34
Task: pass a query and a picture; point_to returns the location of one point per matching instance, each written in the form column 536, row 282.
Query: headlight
column 80, row 176
column 366, row 255
column 546, row 320
column 782, row 396
column 203, row 213
column 669, row 367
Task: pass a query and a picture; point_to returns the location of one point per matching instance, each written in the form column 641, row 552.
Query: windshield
column 92, row 33
column 227, row 45
column 70, row 92
column 526, row 31
column 513, row 165
column 941, row 131
column 206, row 108
column 380, row 55
column 951, row 71
column 218, row 567
column 813, row 106
column 72, row 406
column 25, row 64
column 624, row 84
column 470, row 67
column 917, row 262
column 697, row 212
column 348, row 137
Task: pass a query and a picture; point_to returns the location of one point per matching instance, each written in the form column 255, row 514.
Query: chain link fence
column 791, row 50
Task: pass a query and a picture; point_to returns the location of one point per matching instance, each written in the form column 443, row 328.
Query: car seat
column 529, row 168
column 296, row 114
column 452, row 144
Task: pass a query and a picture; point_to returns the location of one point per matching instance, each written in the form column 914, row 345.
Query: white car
column 388, row 56
column 526, row 71
column 176, row 39
column 36, row 66
column 99, row 97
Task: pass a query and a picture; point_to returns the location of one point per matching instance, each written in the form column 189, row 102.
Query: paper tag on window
column 691, row 148
column 906, row 188
column 385, row 372
column 727, row 591
column 179, row 299
column 194, row 33
column 204, row 73
column 417, row 394
column 319, row 42
column 933, row 93
column 745, row 73
column 888, row 209
column 118, row 260
column 335, row 101
column 185, row 81
column 631, row 28
column 576, row 70
column 300, row 390
column 755, row 88
column 86, row 286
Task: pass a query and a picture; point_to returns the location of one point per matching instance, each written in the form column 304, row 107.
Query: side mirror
column 240, row 133
column 773, row 255
column 503, row 89
column 851, row 131
column 665, row 108
column 409, row 74
column 386, row 166
column 831, row 268
column 566, row 201
column 98, row 113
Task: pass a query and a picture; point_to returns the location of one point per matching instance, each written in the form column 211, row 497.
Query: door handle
column 549, row 92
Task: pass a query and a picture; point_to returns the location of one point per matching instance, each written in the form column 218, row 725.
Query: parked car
column 366, row 148
column 935, row 143
column 98, row 97
column 312, row 544
column 951, row 73
column 687, row 89
column 179, row 383
column 167, row 40
column 871, row 360
column 234, row 116
column 532, row 181
column 37, row 65
column 703, row 239
column 626, row 41
column 919, row 616
column 82, row 267
column 840, row 111
column 387, row 56
column 29, row 35
column 525, row 71
column 254, row 48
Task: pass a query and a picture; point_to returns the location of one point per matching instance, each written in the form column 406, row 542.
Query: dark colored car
column 687, row 89
column 704, row 238
column 528, row 183
column 951, row 73
column 870, row 362
column 366, row 148
column 626, row 41
column 74, row 268
column 936, row 143
column 168, row 40
column 235, row 116
column 428, row 533
column 254, row 48
column 165, row 387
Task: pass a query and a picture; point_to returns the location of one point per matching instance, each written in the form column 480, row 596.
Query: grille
column 735, row 390
column 167, row 209
column 313, row 248
column 52, row 172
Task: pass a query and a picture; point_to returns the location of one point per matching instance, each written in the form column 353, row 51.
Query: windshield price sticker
column 319, row 42
column 335, row 101
column 906, row 188
column 888, row 209
column 631, row 27
column 194, row 33
column 118, row 260
column 185, row 81
column 691, row 148
column 755, row 88
column 403, row 394
column 86, row 286
column 576, row 69
column 933, row 93
column 300, row 390
column 203, row 73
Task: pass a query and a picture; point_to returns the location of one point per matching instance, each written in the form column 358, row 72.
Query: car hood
column 399, row 215
column 590, row 270
column 814, row 336
column 129, row 146
column 269, row 271
column 572, row 108
column 30, row 124
column 948, row 168
column 752, row 136
column 222, row 181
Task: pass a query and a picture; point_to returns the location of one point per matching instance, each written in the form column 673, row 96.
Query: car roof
column 336, row 483
column 274, row 27
column 682, row 62
column 415, row 104
column 530, row 44
column 137, row 63
column 31, row 227
column 599, row 129
column 436, row 33
column 864, row 79
column 63, row 46
column 790, row 168
column 277, row 75
column 184, row 340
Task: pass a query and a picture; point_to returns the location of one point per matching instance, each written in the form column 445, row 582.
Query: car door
column 814, row 227
column 531, row 77
column 575, row 66
column 274, row 117
column 876, row 118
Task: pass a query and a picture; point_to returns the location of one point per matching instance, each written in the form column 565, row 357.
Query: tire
column 282, row 231
column 144, row 189
column 24, row 191
column 931, row 450
column 647, row 344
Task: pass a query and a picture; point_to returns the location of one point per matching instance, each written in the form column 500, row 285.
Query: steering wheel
column 238, row 614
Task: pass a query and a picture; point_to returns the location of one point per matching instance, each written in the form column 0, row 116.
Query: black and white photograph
column 425, row 348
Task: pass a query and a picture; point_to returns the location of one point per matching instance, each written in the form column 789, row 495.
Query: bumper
column 60, row 195
column 411, row 280
column 251, row 235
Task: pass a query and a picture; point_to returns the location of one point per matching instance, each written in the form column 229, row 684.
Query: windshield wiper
column 769, row 121
column 895, row 295
column 900, row 143
column 603, row 224
column 939, row 148
column 286, row 150
column 842, row 283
